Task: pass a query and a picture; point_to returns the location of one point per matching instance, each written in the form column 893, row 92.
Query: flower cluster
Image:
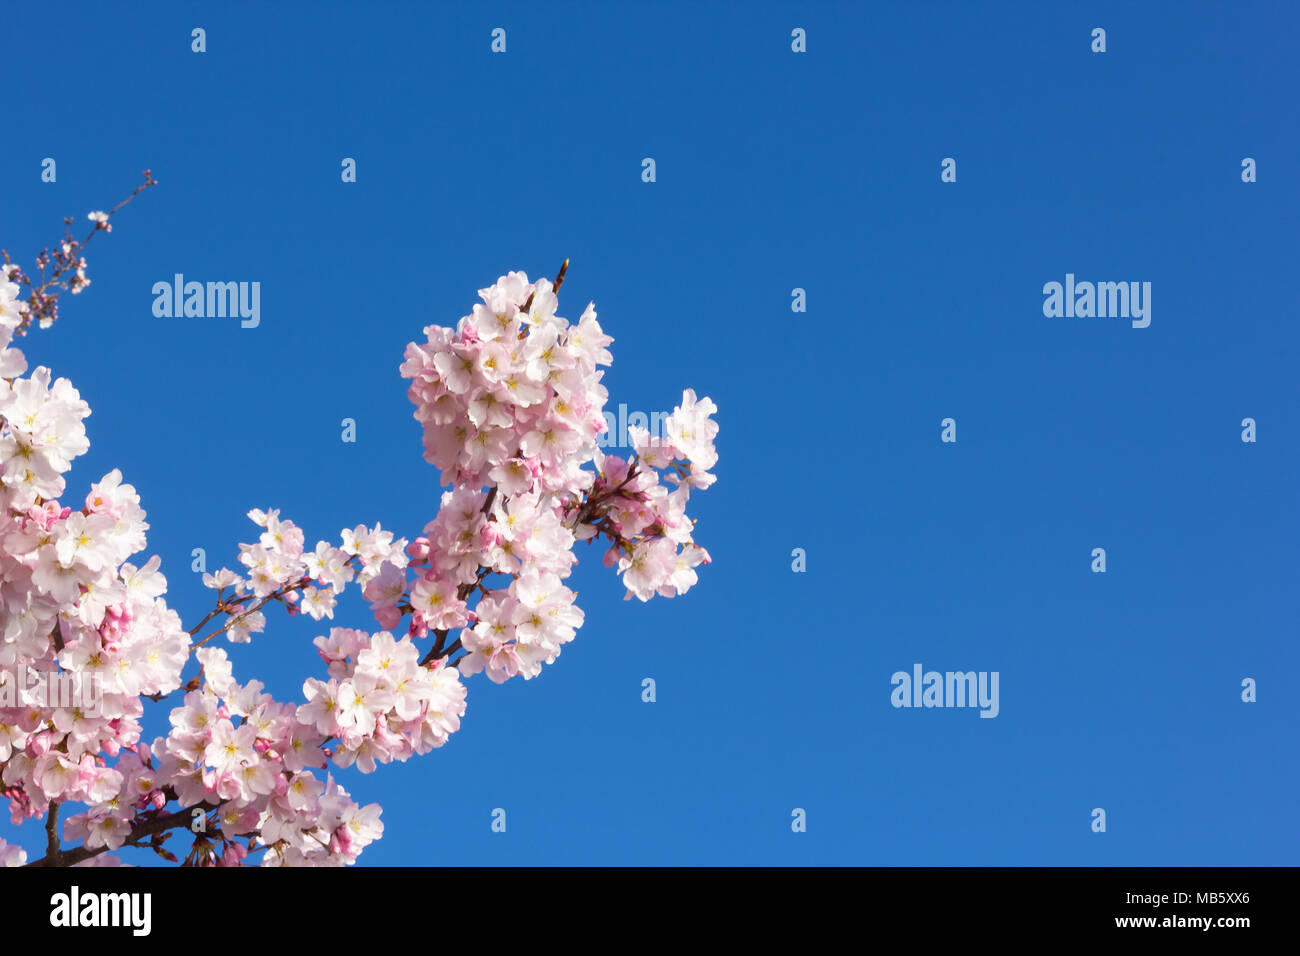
column 279, row 569
column 511, row 403
column 233, row 748
column 647, row 523
column 13, row 315
column 70, row 603
column 380, row 703
column 512, row 397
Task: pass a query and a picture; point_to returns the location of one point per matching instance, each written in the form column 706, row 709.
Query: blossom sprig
column 511, row 403
column 62, row 268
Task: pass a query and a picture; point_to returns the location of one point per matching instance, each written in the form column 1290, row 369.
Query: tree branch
column 555, row 286
column 146, row 827
column 53, row 850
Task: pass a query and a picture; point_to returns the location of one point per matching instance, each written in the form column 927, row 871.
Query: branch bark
column 143, row 828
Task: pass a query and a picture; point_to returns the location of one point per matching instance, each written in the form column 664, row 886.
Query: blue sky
column 775, row 171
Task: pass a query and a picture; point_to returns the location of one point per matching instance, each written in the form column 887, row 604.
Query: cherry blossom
column 510, row 403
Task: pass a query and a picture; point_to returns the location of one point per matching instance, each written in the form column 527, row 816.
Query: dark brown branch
column 146, row 827
column 53, row 850
column 555, row 286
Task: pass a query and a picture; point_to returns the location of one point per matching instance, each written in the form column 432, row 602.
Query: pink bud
column 418, row 550
column 339, row 842
column 234, row 855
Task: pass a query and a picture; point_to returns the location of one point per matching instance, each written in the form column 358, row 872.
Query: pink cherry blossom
column 510, row 402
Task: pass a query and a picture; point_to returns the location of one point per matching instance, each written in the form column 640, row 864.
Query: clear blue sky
column 775, row 170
